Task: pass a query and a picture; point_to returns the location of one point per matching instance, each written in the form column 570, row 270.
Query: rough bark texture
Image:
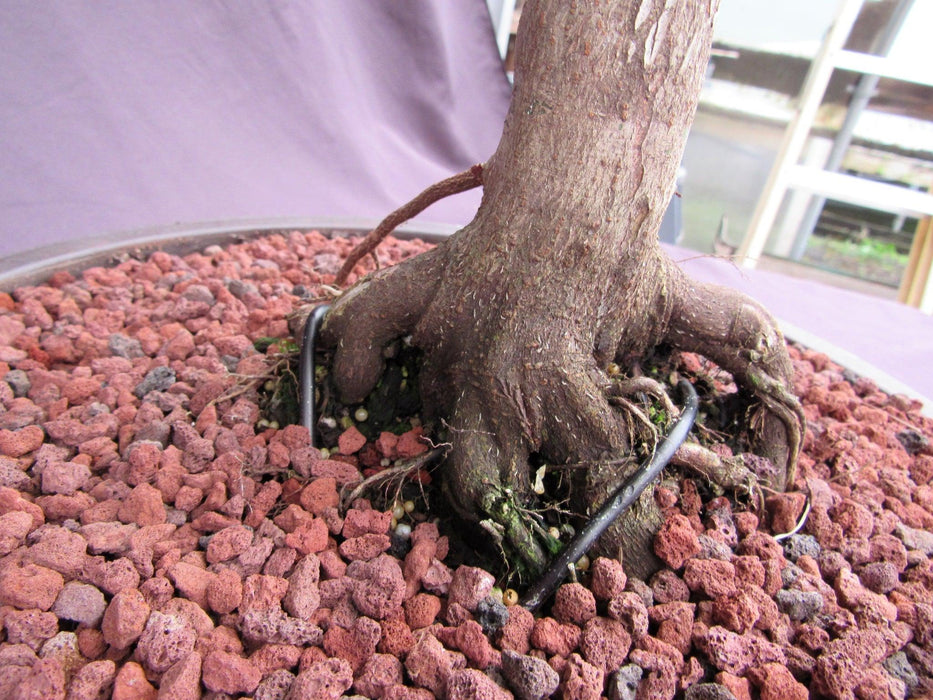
column 561, row 273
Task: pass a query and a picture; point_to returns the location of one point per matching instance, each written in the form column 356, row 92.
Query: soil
column 160, row 537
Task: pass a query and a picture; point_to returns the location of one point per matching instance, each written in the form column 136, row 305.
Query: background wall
column 119, row 116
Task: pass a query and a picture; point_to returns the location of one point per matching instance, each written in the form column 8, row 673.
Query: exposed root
column 741, row 337
column 780, row 402
column 396, row 472
column 372, row 315
column 800, row 523
column 631, row 411
column 730, row 473
column 243, row 385
column 618, row 395
column 644, row 385
column 246, row 383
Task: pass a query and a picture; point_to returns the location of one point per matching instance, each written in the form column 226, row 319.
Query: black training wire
column 624, row 497
column 306, row 370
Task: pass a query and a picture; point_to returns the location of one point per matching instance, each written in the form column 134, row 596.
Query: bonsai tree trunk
column 560, row 273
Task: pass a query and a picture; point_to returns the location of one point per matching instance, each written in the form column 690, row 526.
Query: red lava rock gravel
column 155, row 542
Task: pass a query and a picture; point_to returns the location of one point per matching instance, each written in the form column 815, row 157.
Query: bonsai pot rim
column 37, row 265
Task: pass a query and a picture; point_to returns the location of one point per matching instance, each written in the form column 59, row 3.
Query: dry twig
column 461, row 182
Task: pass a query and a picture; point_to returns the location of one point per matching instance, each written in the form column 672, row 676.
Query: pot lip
column 37, row 265
column 856, row 364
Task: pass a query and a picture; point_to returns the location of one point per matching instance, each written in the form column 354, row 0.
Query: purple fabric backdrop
column 122, row 115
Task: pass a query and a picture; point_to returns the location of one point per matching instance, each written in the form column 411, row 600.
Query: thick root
column 561, row 416
column 738, row 334
column 729, row 473
column 486, row 478
column 372, row 314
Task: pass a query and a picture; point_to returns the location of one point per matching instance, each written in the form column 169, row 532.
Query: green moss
column 523, row 537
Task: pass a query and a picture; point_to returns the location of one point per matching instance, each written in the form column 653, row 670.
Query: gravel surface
column 156, row 541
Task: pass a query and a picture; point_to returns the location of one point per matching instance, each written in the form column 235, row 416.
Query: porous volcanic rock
column 159, row 539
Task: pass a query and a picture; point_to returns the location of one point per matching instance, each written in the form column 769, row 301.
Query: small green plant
column 882, row 250
column 869, row 258
column 285, row 346
column 867, row 249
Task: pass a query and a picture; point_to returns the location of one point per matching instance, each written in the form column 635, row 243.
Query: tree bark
column 561, row 272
